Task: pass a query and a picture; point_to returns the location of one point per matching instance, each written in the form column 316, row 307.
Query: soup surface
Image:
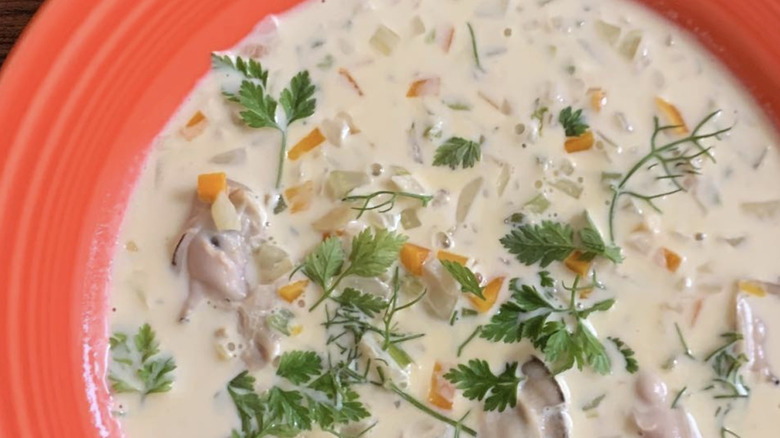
column 491, row 218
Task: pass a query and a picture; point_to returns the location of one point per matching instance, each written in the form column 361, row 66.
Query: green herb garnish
column 572, row 122
column 297, row 100
column 632, row 365
column 527, row 316
column 457, row 151
column 465, row 277
column 554, row 241
column 386, row 202
column 474, row 49
column 479, row 383
column 136, row 367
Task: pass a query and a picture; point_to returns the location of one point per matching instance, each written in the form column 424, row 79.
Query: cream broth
column 490, row 89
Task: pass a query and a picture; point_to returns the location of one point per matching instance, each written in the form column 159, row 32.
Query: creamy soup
column 493, row 218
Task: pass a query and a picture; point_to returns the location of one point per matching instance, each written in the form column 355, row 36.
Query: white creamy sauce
column 532, row 54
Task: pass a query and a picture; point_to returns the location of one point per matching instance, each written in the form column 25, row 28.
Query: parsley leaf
column 554, row 241
column 299, row 366
column 251, row 69
column 632, row 365
column 297, row 99
column 477, row 381
column 368, row 304
column 572, row 122
column 545, row 280
column 259, row 107
column 457, row 151
column 134, row 367
column 463, row 275
column 527, row 316
column 544, row 243
column 324, row 262
column 372, row 254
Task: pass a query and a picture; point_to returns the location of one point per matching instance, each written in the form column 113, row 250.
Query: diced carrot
column 671, row 259
column 441, row 392
column 210, row 185
column 751, row 287
column 444, row 36
column 306, row 144
column 673, row 116
column 424, row 87
column 490, row 293
column 344, row 72
column 299, row 197
column 598, row 98
column 194, row 127
column 457, row 258
column 290, row 292
column 413, row 257
column 579, row 143
column 576, row 265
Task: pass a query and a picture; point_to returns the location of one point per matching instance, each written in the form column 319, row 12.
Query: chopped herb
column 326, row 63
column 674, row 160
column 479, row 383
column 465, row 277
column 538, row 115
column 545, row 280
column 457, row 151
column 686, row 350
column 297, row 100
column 469, row 339
column 632, row 365
column 458, row 106
column 554, row 241
column 572, row 122
column 678, row 397
column 388, row 199
column 474, row 49
column 593, row 404
column 422, row 407
column 279, row 320
column 135, row 367
column 727, row 363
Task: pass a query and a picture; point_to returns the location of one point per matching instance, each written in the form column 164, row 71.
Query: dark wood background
column 14, row 16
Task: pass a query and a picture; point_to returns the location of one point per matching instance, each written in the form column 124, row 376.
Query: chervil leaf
column 528, row 298
column 632, row 365
column 543, row 243
column 593, row 244
column 156, row 375
column 288, row 409
column 324, row 262
column 117, row 340
column 478, row 383
column 145, row 342
column 511, row 323
column 251, row 69
column 119, row 386
column 463, row 275
column 545, row 280
column 299, row 366
column 601, row 306
column 297, row 99
column 560, row 349
column 260, row 108
column 373, row 254
column 457, row 151
column 368, row 304
column 593, row 353
column 572, row 122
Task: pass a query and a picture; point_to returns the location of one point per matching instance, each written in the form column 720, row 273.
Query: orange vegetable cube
column 441, row 392
column 290, row 292
column 751, row 287
column 345, row 73
column 306, row 144
column 413, row 257
column 598, row 98
column 424, row 87
column 672, row 115
column 210, row 185
column 194, row 127
column 671, row 259
column 299, row 197
column 579, row 143
column 579, row 267
column 491, row 295
column 452, row 257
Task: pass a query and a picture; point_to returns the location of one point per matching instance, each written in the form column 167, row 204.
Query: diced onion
column 384, row 40
column 224, row 214
column 466, row 199
column 340, row 182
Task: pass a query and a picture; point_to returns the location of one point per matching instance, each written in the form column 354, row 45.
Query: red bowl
column 82, row 96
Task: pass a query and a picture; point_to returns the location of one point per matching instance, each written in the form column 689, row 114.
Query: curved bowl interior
column 83, row 94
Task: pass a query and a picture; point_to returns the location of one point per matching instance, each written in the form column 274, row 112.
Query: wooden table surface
column 14, row 16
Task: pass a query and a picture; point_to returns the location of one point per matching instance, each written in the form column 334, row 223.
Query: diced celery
column 340, row 182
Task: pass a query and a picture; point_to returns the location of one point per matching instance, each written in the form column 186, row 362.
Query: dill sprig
column 386, row 201
column 676, row 159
